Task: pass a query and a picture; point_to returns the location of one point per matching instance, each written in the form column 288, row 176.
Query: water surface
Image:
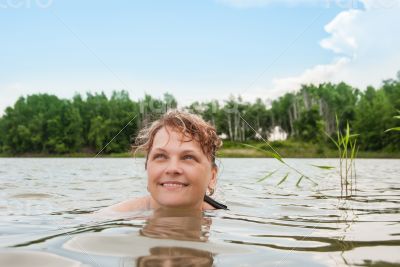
column 45, row 207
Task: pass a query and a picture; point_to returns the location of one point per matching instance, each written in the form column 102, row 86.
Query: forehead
column 168, row 138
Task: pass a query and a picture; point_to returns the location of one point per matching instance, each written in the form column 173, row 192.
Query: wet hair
column 190, row 125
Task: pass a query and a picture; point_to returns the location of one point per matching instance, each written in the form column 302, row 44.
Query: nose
column 173, row 167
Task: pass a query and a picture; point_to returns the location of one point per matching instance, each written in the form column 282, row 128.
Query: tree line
column 43, row 123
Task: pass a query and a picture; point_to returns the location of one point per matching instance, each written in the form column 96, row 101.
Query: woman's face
column 178, row 172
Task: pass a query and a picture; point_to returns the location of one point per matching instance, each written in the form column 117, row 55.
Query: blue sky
column 196, row 50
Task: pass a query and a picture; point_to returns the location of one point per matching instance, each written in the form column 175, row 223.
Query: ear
column 213, row 180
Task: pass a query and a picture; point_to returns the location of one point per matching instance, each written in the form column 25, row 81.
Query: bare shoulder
column 140, row 203
column 133, row 204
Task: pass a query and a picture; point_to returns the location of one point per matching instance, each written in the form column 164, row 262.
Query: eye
column 189, row 157
column 159, row 156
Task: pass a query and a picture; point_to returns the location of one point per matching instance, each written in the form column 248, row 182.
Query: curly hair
column 190, row 125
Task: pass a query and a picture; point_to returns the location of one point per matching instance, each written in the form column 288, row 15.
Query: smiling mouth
column 173, row 185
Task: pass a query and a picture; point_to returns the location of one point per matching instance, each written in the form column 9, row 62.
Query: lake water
column 46, row 220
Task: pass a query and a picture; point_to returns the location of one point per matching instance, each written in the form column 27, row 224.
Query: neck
column 154, row 205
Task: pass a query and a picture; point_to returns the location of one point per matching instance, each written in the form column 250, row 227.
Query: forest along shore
column 287, row 149
column 45, row 125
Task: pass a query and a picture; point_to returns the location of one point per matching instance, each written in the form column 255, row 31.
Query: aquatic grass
column 266, row 176
column 393, row 129
column 272, row 152
column 323, row 167
column 397, row 129
column 283, row 179
column 347, row 148
column 299, row 180
column 276, row 155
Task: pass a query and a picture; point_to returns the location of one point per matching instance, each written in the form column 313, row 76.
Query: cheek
column 202, row 176
column 152, row 172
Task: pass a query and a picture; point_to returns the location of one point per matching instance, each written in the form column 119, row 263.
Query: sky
column 196, row 50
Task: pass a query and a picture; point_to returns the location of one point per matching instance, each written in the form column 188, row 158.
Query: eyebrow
column 188, row 151
column 160, row 149
column 182, row 152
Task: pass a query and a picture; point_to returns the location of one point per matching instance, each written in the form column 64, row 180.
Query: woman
column 180, row 162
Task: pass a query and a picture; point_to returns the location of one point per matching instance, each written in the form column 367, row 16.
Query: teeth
column 172, row 185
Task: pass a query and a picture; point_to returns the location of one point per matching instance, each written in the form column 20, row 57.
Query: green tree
column 373, row 116
column 309, row 126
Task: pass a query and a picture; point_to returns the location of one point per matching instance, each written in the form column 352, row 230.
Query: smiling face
column 178, row 171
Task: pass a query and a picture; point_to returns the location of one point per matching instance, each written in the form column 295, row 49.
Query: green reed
column 346, row 145
column 347, row 148
column 272, row 152
column 397, row 129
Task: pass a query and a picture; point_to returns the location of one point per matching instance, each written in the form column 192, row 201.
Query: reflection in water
column 176, row 256
column 178, row 225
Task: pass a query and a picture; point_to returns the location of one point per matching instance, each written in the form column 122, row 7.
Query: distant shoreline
column 231, row 152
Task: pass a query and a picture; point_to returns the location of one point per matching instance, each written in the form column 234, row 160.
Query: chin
column 174, row 203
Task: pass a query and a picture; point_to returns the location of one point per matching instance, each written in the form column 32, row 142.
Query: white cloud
column 315, row 75
column 367, row 44
column 341, row 40
column 363, row 38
